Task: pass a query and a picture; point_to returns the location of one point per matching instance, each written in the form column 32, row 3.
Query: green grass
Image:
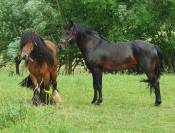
column 127, row 106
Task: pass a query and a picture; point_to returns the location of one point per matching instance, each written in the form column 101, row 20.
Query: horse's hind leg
column 153, row 80
column 154, row 83
column 55, row 95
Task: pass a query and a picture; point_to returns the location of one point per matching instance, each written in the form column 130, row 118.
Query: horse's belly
column 108, row 67
column 118, row 65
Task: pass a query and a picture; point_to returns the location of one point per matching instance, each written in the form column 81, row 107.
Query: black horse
column 101, row 56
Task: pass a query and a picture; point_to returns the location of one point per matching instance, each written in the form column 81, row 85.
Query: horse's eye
column 67, row 33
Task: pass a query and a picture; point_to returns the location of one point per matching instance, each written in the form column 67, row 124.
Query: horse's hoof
column 98, row 102
column 36, row 100
column 56, row 97
column 36, row 103
column 157, row 103
column 93, row 101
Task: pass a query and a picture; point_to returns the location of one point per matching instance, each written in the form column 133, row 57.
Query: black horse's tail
column 157, row 68
column 158, row 62
column 27, row 82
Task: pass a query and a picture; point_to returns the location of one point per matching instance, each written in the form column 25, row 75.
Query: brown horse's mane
column 40, row 53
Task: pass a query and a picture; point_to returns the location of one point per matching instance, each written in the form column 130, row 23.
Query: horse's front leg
column 45, row 92
column 36, row 96
column 95, row 89
column 97, row 84
column 48, row 95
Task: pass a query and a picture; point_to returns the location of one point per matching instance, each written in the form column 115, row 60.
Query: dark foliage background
column 118, row 20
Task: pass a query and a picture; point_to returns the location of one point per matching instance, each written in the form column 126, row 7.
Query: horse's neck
column 86, row 43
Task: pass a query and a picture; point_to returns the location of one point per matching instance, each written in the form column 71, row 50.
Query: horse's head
column 27, row 45
column 26, row 50
column 69, row 35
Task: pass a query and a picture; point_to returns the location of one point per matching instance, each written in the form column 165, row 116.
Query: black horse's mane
column 41, row 53
column 88, row 31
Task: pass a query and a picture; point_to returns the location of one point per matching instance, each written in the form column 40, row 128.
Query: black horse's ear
column 71, row 23
column 68, row 24
column 22, row 32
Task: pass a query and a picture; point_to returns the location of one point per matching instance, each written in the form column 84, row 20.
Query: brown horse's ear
column 34, row 33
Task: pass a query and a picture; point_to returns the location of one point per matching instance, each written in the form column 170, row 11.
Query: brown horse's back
column 51, row 46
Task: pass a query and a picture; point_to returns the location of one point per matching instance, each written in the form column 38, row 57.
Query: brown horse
column 40, row 57
column 101, row 55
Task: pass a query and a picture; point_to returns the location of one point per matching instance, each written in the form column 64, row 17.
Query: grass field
column 127, row 106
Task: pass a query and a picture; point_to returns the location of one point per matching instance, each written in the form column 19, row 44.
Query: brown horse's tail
column 27, row 82
column 158, row 62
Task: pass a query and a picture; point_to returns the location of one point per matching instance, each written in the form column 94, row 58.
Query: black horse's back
column 142, row 47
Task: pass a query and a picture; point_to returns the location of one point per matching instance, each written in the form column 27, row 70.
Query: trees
column 118, row 20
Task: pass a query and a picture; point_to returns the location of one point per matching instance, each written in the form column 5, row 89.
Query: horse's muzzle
column 62, row 46
column 24, row 55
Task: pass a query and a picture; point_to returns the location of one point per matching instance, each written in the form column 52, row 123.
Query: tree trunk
column 17, row 62
column 68, row 65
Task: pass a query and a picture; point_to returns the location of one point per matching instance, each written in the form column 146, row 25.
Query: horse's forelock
column 41, row 52
column 25, row 38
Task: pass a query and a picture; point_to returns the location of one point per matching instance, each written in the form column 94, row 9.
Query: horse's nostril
column 61, row 46
column 63, row 40
column 23, row 55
